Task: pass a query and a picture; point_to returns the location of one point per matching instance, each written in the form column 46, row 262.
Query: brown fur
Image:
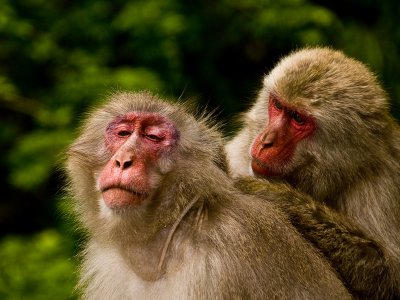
column 350, row 166
column 198, row 237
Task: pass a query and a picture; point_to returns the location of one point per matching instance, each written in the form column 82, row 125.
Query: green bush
column 39, row 267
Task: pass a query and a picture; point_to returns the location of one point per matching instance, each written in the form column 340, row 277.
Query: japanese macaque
column 164, row 220
column 321, row 124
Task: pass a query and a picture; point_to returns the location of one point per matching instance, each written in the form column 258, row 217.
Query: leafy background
column 58, row 58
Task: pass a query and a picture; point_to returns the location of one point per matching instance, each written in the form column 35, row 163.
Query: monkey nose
column 123, row 164
column 268, row 140
column 123, row 160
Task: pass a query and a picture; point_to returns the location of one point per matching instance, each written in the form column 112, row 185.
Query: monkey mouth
column 117, row 196
column 122, row 187
column 263, row 170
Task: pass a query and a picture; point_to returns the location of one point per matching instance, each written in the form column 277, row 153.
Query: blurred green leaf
column 30, row 169
column 39, row 267
column 137, row 79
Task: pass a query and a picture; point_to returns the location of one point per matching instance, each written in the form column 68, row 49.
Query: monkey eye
column 297, row 118
column 278, row 105
column 153, row 137
column 123, row 133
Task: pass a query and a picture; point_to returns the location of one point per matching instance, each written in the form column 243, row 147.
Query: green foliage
column 34, row 169
column 39, row 267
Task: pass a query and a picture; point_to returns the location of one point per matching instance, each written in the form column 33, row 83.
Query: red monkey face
column 274, row 147
column 140, row 144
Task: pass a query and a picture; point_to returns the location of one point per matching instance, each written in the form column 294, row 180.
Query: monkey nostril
column 267, row 144
column 127, row 164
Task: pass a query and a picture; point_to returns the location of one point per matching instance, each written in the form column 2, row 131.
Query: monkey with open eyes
column 164, row 220
column 321, row 124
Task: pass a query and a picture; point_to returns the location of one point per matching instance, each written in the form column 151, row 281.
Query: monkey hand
column 280, row 194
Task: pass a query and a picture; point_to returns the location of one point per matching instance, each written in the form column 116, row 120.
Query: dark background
column 58, row 58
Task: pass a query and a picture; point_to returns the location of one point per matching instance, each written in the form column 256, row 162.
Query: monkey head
column 316, row 107
column 125, row 158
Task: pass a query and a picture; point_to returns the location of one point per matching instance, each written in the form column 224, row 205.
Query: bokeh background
column 59, row 58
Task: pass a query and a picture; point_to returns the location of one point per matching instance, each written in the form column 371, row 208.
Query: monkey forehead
column 143, row 116
column 303, row 74
column 123, row 103
column 318, row 76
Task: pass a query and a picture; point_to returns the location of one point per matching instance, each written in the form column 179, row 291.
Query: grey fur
column 350, row 166
column 227, row 246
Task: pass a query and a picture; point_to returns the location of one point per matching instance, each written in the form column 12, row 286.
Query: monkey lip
column 120, row 196
column 261, row 169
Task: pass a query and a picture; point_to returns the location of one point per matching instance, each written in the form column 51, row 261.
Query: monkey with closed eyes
column 321, row 125
column 164, row 220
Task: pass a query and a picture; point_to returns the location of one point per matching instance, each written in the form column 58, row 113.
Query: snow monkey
column 321, row 125
column 164, row 220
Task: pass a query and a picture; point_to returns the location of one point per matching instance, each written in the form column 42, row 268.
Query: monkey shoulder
column 253, row 218
column 265, row 249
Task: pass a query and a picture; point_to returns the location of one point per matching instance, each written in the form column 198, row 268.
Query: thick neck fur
column 331, row 174
column 363, row 186
column 141, row 235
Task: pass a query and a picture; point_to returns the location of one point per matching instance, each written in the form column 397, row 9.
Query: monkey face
column 139, row 143
column 274, row 147
column 131, row 151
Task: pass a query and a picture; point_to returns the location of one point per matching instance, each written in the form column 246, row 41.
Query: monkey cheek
column 119, row 198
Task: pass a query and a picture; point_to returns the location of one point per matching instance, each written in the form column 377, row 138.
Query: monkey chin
column 117, row 197
column 261, row 170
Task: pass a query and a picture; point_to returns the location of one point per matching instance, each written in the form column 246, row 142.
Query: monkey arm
column 361, row 261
